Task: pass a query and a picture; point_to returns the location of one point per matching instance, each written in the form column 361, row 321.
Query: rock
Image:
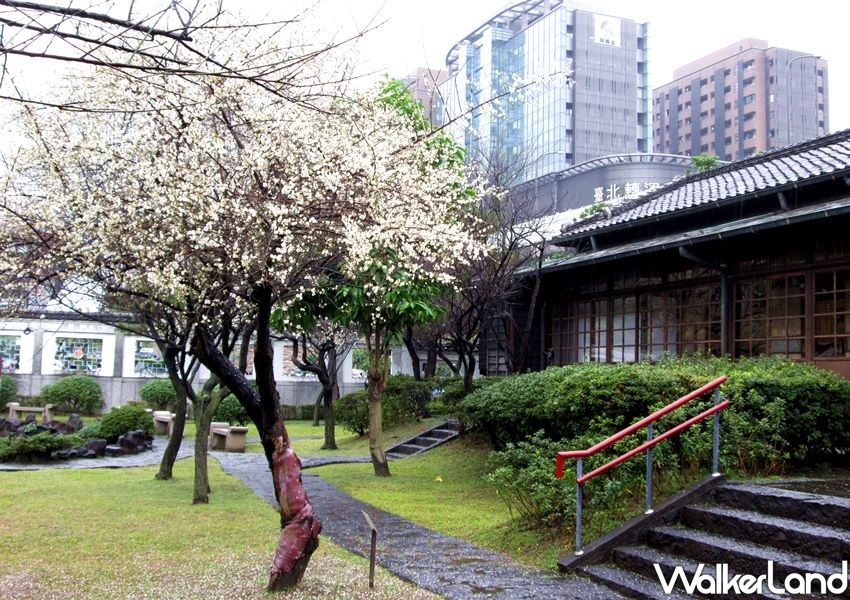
column 66, row 454
column 133, row 442
column 113, row 450
column 96, row 446
column 88, row 454
column 75, row 423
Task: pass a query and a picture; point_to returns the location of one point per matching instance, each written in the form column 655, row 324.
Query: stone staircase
column 435, row 436
column 745, row 526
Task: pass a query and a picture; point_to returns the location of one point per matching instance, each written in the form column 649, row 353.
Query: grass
column 443, row 489
column 118, row 533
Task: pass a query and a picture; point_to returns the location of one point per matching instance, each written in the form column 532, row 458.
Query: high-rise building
column 423, row 85
column 552, row 124
column 740, row 100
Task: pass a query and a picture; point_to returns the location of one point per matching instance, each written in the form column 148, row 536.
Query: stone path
column 442, row 564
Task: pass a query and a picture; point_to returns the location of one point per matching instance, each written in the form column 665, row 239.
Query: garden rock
column 113, row 450
column 98, row 447
column 134, row 442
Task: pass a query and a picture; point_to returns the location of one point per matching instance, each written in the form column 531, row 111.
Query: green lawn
column 118, row 533
column 443, row 489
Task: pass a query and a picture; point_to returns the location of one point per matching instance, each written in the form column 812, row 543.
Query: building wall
column 740, row 100
column 783, row 293
column 38, row 352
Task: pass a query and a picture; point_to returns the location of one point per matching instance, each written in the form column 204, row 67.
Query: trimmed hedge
column 780, row 411
column 158, row 394
column 231, row 411
column 8, row 389
column 74, row 393
column 404, row 401
column 120, row 420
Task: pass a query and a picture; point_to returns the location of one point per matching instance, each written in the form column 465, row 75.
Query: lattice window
column 832, row 314
column 10, row 353
column 770, row 317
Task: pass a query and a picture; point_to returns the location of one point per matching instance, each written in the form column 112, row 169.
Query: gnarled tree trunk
column 300, row 527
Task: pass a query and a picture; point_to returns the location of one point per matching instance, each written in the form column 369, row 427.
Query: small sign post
column 372, row 549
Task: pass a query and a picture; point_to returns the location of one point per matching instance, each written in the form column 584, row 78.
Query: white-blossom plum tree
column 216, row 200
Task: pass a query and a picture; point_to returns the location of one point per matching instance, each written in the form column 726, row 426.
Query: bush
column 780, row 411
column 524, row 476
column 35, row 447
column 75, row 393
column 404, row 401
column 230, row 410
column 450, row 391
column 90, row 431
column 158, row 394
column 119, row 421
column 8, row 389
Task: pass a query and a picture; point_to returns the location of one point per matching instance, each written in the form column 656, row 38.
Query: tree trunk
column 330, row 396
column 300, row 528
column 377, row 380
column 201, row 494
column 431, row 359
column 410, row 344
column 469, row 371
column 166, row 465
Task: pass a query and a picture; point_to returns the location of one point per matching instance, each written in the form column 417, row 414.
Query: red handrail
column 561, row 457
column 646, row 445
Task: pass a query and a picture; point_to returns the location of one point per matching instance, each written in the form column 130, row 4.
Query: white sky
column 420, row 33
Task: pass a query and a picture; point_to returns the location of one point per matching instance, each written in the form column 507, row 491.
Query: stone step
column 746, row 557
column 642, row 560
column 801, row 506
column 443, row 433
column 778, row 532
column 628, row 583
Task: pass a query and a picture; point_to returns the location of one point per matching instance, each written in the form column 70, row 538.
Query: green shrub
column 158, row 394
column 524, row 476
column 35, row 447
column 404, row 400
column 75, row 393
column 230, row 410
column 8, row 389
column 780, row 411
column 352, row 412
column 450, row 391
column 90, row 431
column 119, row 421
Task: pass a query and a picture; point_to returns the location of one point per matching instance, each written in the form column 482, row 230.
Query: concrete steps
column 432, row 438
column 754, row 529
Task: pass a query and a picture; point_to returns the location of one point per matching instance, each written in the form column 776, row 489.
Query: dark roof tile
column 776, row 168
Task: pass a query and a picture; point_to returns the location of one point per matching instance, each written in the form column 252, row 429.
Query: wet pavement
column 448, row 566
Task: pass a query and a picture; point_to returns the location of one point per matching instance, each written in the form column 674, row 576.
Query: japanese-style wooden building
column 746, row 259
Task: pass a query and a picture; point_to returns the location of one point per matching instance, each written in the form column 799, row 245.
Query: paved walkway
column 442, row 564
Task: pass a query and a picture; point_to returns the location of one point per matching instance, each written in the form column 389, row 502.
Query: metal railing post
column 715, row 446
column 579, row 499
column 648, row 471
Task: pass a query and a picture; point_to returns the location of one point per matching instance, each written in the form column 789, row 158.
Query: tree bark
column 410, row 344
column 166, row 465
column 330, row 394
column 300, row 527
column 377, row 380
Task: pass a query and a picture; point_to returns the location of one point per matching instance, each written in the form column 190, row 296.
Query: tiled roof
column 774, row 169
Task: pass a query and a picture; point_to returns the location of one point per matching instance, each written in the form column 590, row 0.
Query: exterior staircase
column 435, row 436
column 744, row 526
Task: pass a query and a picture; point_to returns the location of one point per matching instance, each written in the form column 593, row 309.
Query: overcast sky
column 421, row 33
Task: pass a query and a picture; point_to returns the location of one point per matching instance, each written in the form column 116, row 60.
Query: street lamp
column 788, row 90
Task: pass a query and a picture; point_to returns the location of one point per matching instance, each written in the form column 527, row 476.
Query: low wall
column 117, row 391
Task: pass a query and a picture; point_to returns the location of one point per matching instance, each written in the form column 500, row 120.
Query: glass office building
column 550, row 122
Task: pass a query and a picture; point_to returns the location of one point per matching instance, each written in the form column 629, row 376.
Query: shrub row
column 781, row 412
column 404, row 401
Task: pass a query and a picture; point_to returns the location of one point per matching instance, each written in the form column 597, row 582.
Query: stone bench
column 16, row 411
column 229, row 438
column 163, row 422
